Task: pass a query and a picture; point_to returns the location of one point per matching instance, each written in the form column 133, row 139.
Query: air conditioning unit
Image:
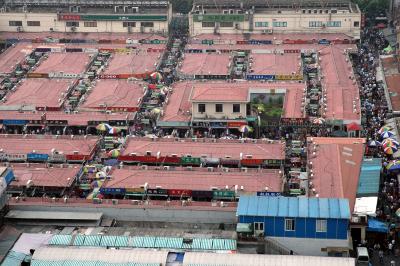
column 144, row 167
column 166, row 168
column 210, row 169
column 20, row 29
column 189, row 168
column 73, row 29
column 225, row 169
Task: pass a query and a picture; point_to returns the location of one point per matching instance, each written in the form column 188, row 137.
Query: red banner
column 68, row 17
column 150, row 159
column 179, row 192
column 37, row 75
column 251, row 162
column 236, row 124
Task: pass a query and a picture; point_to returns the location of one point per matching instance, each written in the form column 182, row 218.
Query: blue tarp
column 377, row 226
column 368, row 183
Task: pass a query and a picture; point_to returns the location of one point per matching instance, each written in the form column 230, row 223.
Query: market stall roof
column 375, row 225
column 132, row 63
column 366, row 206
column 68, row 63
column 368, row 183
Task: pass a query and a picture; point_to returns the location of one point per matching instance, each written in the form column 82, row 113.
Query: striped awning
column 63, row 240
column 121, row 241
column 230, row 244
column 169, row 242
column 149, row 242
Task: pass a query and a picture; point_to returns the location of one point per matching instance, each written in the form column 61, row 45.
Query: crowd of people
column 375, row 110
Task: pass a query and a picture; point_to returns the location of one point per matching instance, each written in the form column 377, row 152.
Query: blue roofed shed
column 368, row 183
column 296, row 217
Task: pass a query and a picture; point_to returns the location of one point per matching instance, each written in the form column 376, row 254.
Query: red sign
column 289, row 41
column 292, row 51
column 77, row 157
column 37, row 75
column 236, row 124
column 110, row 50
column 68, row 17
column 362, row 20
column 179, row 192
column 251, row 162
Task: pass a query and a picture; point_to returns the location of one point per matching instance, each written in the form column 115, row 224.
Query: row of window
column 290, row 225
column 280, row 24
column 221, row 24
column 87, row 24
column 316, row 24
column 219, row 108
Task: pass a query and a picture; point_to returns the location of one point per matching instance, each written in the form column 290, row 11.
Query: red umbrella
column 353, row 127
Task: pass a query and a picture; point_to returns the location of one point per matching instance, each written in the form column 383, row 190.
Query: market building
column 86, row 16
column 244, row 17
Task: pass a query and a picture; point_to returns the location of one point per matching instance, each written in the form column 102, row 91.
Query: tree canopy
column 182, row 6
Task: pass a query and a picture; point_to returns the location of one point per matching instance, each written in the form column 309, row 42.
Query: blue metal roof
column 294, row 207
column 368, row 182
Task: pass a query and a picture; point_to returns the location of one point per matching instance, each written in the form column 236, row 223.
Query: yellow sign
column 289, row 77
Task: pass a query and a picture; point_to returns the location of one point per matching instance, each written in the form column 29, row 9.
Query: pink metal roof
column 15, row 115
column 393, row 83
column 205, row 64
column 14, row 55
column 83, row 35
column 132, row 63
column 277, row 64
column 195, row 180
column 219, row 149
column 39, row 93
column 336, row 167
column 43, row 176
column 71, row 63
column 114, row 93
column 179, row 106
column 220, row 91
column 341, row 90
column 18, row 144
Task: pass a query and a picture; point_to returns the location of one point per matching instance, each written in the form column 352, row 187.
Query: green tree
column 372, row 8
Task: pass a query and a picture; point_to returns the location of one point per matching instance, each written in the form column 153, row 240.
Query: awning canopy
column 377, row 226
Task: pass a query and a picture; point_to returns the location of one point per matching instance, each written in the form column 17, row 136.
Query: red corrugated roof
column 132, row 63
column 14, row 55
column 206, row 64
column 39, row 93
column 71, row 63
column 275, row 64
column 196, row 180
column 219, row 149
column 43, row 176
column 336, row 167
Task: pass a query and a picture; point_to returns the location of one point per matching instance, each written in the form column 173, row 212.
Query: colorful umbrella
column 374, row 143
column 114, row 130
column 384, row 129
column 103, row 127
column 318, row 121
column 114, row 153
column 390, row 150
column 389, row 142
column 245, row 129
column 393, row 165
column 101, row 175
column 156, row 76
column 387, row 134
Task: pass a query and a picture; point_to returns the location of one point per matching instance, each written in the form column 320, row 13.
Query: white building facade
column 256, row 16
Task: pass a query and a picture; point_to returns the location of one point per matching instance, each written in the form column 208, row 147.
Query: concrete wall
column 144, row 214
column 227, row 111
column 50, row 20
column 297, row 22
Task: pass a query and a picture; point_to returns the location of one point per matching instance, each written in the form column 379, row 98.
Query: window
column 315, row 24
column 289, row 225
column 147, row 24
column 201, row 107
column 356, row 24
column 90, row 24
column 304, row 11
column 236, row 108
column 33, row 23
column 219, row 108
column 309, row 11
column 315, row 11
column 208, row 24
column 258, row 226
column 279, row 24
column 127, row 24
column 226, row 24
column 14, row 23
column 261, row 24
column 334, row 24
column 72, row 24
column 326, row 11
column 333, row 11
column 321, row 226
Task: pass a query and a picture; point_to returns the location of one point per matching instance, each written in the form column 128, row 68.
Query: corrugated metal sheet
column 136, row 241
column 121, row 241
column 63, row 240
column 368, row 182
column 294, row 207
column 107, row 241
column 92, row 241
column 79, row 239
column 13, row 259
column 149, row 242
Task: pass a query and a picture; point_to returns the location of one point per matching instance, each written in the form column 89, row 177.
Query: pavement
column 386, row 259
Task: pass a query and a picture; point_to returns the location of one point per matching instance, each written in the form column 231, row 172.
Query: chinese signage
column 112, row 17
column 219, row 18
column 190, row 160
column 288, row 77
column 269, row 194
column 37, row 75
column 260, row 77
column 223, row 194
column 37, row 157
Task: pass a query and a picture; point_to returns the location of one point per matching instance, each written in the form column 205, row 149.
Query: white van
column 362, row 256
